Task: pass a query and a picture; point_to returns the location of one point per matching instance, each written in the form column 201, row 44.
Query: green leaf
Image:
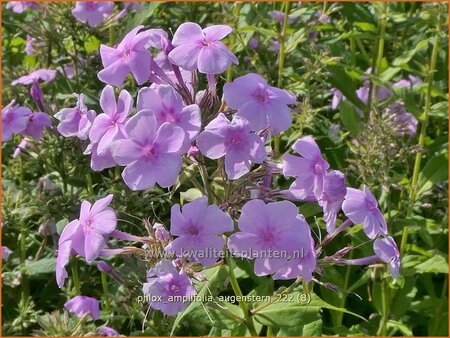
column 295, row 312
column 214, row 280
column 91, row 44
column 402, row 328
column 436, row 264
column 190, row 195
column 366, row 26
column 313, row 329
column 350, row 118
column 435, row 171
column 148, row 9
column 408, row 55
column 439, row 109
column 40, row 267
column 294, row 40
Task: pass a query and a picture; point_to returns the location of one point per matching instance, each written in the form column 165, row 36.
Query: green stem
column 422, row 136
column 381, row 40
column 90, row 188
column 22, row 174
column 382, row 330
column 236, row 15
column 205, row 180
column 75, row 276
column 112, row 37
column 237, row 291
column 340, row 315
column 282, row 56
column 105, row 293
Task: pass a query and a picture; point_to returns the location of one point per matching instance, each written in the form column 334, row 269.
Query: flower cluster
column 173, row 121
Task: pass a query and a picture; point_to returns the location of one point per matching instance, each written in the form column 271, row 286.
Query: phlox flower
column 333, row 194
column 82, row 305
column 363, row 92
column 235, row 141
column 29, row 48
column 164, row 280
column 197, row 48
column 87, row 235
column 407, row 83
column 14, row 120
column 387, row 251
column 92, row 12
column 130, row 56
column 309, row 170
column 36, row 124
column 106, row 331
column 6, row 252
column 304, row 265
column 271, row 233
column 99, row 162
column 361, row 207
column 76, row 121
column 262, row 105
column 25, row 143
column 110, row 125
column 151, row 153
column 21, row 6
column 337, row 98
column 199, row 228
column 168, row 106
column 45, row 75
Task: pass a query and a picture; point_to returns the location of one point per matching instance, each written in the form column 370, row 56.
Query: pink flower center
column 192, row 230
column 267, row 236
column 206, row 43
column 126, row 54
column 370, row 205
column 91, row 5
column 169, row 115
column 174, row 288
column 149, row 151
column 261, row 94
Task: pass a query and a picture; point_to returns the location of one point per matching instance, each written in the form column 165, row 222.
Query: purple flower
column 386, row 250
column 271, row 233
column 254, row 43
column 304, row 265
column 411, row 81
column 82, row 305
column 45, row 75
column 334, row 190
column 323, row 17
column 199, row 228
column 161, row 234
column 29, row 48
column 151, row 153
column 363, row 92
column 165, row 281
column 309, row 170
column 92, row 12
column 274, row 45
column 25, row 143
column 235, row 141
column 99, row 162
column 76, row 121
column 21, row 6
column 104, row 267
column 197, row 48
column 36, row 124
column 262, row 105
column 361, row 207
column 279, row 16
column 106, row 331
column 6, row 252
column 110, row 125
column 87, row 235
column 337, row 98
column 14, row 120
column 130, row 56
column 168, row 106
column 402, row 122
